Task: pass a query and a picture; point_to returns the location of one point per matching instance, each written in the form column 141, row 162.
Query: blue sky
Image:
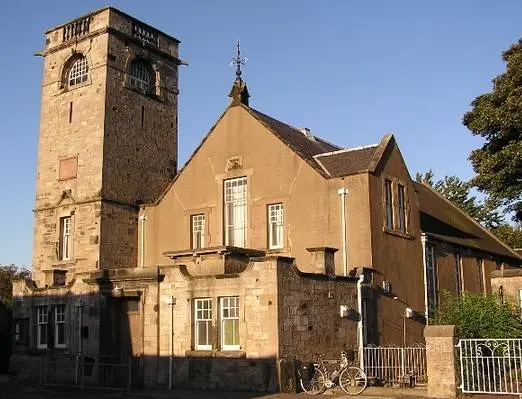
column 351, row 71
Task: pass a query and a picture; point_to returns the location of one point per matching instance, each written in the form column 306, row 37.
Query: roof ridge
column 342, row 150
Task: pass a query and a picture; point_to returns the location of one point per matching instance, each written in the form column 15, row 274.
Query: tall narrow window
column 79, row 71
column 388, row 204
column 203, row 324
column 65, row 238
column 401, row 208
column 229, row 323
column 142, row 116
column 520, row 301
column 197, row 223
column 431, row 277
column 59, row 326
column 235, row 203
column 458, row 273
column 275, row 226
column 41, row 327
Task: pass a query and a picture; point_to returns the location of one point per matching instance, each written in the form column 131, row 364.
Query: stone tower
column 107, row 141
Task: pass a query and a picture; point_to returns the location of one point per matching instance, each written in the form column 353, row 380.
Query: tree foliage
column 479, row 316
column 8, row 273
column 497, row 117
column 511, row 235
column 459, row 192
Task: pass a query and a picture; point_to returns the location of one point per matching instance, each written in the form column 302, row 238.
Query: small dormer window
column 79, row 71
column 140, row 76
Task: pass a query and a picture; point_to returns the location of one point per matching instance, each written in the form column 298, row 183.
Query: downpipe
column 360, row 322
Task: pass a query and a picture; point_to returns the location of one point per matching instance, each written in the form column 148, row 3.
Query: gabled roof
column 348, row 161
column 444, row 221
column 304, row 146
column 328, row 159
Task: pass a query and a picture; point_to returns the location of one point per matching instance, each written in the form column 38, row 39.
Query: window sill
column 151, row 95
column 232, row 354
column 397, row 233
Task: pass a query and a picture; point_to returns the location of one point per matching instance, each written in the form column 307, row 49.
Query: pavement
column 12, row 390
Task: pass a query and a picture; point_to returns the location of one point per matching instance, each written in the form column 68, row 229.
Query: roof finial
column 238, row 61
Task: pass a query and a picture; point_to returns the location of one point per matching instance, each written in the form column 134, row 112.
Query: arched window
column 79, row 71
column 139, row 76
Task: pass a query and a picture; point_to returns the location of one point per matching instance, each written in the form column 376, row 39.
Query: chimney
column 322, row 260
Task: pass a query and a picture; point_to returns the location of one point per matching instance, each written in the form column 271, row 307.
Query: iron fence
column 396, row 365
column 491, row 366
column 86, row 371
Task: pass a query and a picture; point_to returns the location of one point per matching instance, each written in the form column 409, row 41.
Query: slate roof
column 347, row 162
column 442, row 220
column 327, row 158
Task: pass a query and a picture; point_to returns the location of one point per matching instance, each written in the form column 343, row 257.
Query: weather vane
column 238, row 61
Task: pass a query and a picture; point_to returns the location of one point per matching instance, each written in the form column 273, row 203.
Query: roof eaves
column 491, row 235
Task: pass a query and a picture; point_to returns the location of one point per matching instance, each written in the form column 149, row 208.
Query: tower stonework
column 107, row 141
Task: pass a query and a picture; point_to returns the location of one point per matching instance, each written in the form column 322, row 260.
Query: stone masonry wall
column 309, row 314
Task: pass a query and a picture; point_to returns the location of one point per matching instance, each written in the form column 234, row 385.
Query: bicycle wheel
column 315, row 385
column 353, row 380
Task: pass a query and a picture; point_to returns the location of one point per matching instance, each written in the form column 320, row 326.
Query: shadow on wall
column 5, row 338
column 96, row 341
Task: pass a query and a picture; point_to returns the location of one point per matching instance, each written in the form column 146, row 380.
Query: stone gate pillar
column 440, row 358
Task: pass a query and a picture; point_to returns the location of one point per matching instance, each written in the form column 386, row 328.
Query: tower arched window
column 140, row 76
column 79, row 71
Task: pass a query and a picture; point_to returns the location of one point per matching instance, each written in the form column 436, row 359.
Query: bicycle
column 351, row 379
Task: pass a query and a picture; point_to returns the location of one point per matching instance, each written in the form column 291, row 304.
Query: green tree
column 459, row 192
column 479, row 316
column 511, row 235
column 8, row 273
column 497, row 117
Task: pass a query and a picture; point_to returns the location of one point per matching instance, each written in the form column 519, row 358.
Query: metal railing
column 86, row 372
column 396, row 365
column 491, row 366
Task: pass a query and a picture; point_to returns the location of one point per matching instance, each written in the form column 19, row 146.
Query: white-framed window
column 203, row 324
column 235, row 212
column 197, row 225
column 229, row 308
column 401, row 208
column 139, row 76
column 79, row 71
column 41, row 327
column 458, row 273
column 65, row 241
column 59, row 326
column 388, row 204
column 431, row 277
column 275, row 226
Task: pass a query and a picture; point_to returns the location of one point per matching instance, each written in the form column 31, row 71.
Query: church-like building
column 269, row 245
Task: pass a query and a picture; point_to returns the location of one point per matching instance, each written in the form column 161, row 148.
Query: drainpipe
column 360, row 322
column 143, row 219
column 342, row 194
column 171, row 303
column 426, row 307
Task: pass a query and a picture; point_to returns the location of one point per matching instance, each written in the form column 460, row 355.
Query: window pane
column 79, row 71
column 43, row 334
column 401, row 208
column 60, row 334
column 275, row 226
column 388, row 204
column 139, row 76
column 235, row 212
column 231, row 332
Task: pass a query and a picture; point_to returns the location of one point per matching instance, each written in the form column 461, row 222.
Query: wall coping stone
column 507, row 273
column 439, row 331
